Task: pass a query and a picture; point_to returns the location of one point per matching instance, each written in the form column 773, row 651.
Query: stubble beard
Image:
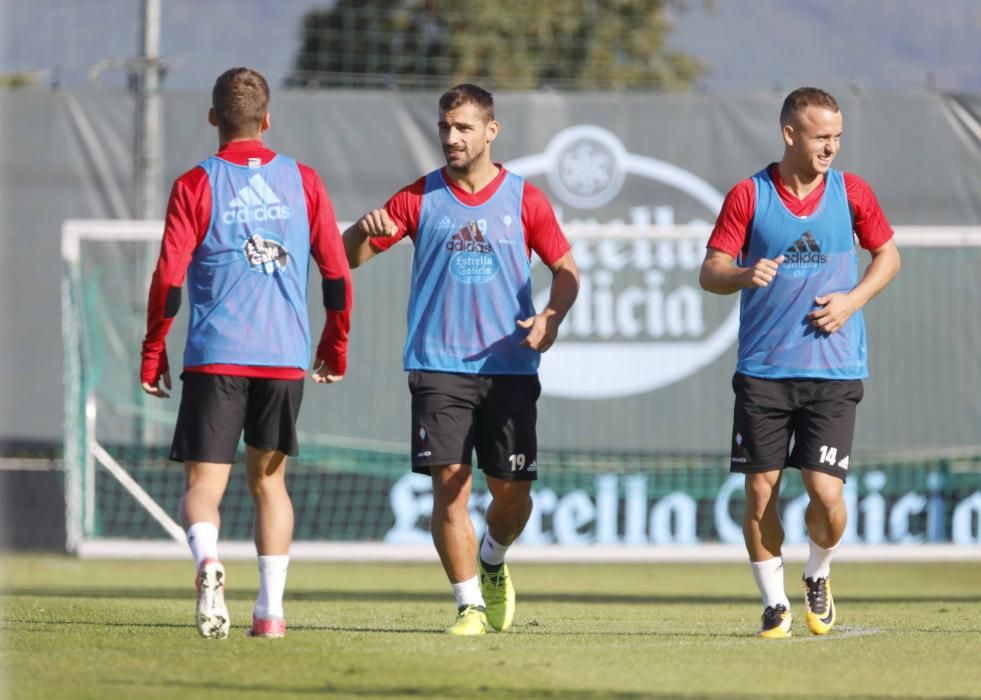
column 466, row 166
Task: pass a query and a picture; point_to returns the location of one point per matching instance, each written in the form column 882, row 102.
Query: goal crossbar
column 84, row 454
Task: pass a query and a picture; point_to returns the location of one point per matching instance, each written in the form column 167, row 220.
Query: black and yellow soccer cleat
column 776, row 622
column 819, row 604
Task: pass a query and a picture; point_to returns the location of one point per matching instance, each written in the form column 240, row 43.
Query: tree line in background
column 507, row 44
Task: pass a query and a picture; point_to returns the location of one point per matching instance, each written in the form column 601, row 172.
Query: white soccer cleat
column 212, row 615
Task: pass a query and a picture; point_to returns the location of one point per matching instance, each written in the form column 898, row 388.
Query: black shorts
column 818, row 414
column 216, row 408
column 454, row 413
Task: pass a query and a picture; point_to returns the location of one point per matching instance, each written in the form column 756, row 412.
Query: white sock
column 203, row 540
column 468, row 593
column 819, row 561
column 491, row 551
column 272, row 584
column 769, row 579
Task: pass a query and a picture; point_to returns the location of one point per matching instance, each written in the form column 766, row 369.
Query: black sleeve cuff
column 173, row 303
column 335, row 293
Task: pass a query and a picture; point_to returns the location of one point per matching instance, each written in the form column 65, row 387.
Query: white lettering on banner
column 411, row 498
column 902, row 510
column 730, row 532
column 607, row 502
column 572, row 513
column 636, row 332
column 851, row 503
column 793, row 520
column 673, row 520
column 543, row 501
column 966, row 523
column 873, row 508
column 936, row 517
column 577, row 518
column 635, row 509
column 633, row 311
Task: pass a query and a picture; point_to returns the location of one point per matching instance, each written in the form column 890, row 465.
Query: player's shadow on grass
column 96, row 623
column 401, row 596
column 531, row 628
column 61, row 622
column 446, row 691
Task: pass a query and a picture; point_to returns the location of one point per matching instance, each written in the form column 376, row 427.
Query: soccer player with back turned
column 474, row 342
column 242, row 226
column 790, row 229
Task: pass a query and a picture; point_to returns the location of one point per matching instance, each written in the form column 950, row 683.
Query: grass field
column 92, row 629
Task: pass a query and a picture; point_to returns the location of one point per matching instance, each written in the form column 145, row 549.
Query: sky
column 747, row 44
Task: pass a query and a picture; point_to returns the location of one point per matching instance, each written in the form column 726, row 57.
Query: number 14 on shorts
column 829, row 455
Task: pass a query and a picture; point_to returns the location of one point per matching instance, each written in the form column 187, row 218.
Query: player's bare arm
column 835, row 309
column 544, row 327
column 357, row 244
column 720, row 274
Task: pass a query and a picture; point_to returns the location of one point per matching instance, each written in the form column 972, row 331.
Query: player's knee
column 510, row 512
column 518, row 502
column 759, row 499
column 452, row 496
column 204, row 489
column 262, row 484
column 827, row 501
column 452, row 511
column 509, row 490
column 453, row 499
column 826, row 494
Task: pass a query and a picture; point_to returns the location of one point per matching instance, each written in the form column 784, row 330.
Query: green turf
column 88, row 629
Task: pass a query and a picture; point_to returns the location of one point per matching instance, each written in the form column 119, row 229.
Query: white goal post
column 95, row 466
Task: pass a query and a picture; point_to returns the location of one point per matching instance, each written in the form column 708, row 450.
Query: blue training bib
column 776, row 340
column 471, row 283
column 247, row 281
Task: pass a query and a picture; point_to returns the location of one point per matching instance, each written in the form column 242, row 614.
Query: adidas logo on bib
column 255, row 202
column 805, row 251
column 469, row 239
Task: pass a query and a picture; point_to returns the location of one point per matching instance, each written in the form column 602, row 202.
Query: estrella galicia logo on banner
column 474, row 260
column 265, row 254
column 641, row 321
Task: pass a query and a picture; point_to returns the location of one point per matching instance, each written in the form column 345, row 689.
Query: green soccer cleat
column 776, row 623
column 471, row 620
column 819, row 604
column 498, row 594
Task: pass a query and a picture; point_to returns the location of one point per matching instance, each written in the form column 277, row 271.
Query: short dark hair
column 460, row 95
column 240, row 99
column 802, row 98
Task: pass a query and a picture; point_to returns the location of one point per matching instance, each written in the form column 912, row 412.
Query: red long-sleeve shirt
column 186, row 225
column 731, row 233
